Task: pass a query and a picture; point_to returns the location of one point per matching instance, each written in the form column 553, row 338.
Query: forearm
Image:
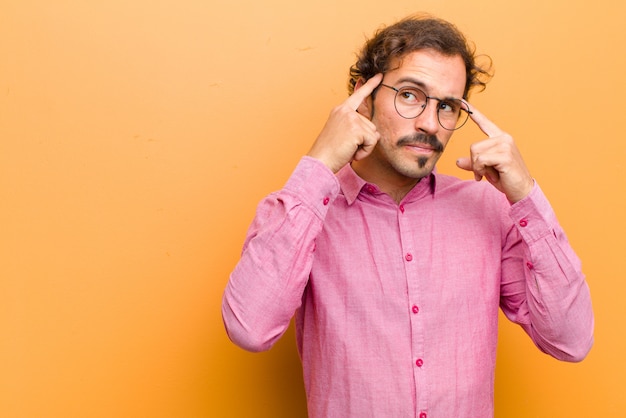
column 553, row 303
column 266, row 286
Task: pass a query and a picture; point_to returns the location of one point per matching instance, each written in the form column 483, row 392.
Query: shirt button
column 415, row 309
column 408, row 257
column 423, row 415
column 402, row 208
column 530, row 265
column 419, row 362
column 371, row 189
column 326, row 200
column 523, row 223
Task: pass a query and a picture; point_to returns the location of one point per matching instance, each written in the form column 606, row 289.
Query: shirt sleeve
column 543, row 288
column 267, row 284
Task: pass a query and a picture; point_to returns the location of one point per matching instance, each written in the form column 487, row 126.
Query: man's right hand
column 347, row 135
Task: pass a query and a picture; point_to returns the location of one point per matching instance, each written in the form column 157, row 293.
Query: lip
column 420, row 148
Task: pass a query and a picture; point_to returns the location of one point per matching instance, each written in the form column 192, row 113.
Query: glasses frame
column 468, row 111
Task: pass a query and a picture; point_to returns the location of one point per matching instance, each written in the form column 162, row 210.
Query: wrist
column 522, row 192
column 324, row 160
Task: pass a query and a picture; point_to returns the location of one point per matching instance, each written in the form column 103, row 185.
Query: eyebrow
column 421, row 85
column 411, row 80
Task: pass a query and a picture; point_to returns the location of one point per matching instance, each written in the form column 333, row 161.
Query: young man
column 395, row 272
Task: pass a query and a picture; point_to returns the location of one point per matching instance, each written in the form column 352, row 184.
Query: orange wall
column 136, row 138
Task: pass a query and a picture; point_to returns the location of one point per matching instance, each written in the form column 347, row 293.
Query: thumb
column 464, row 163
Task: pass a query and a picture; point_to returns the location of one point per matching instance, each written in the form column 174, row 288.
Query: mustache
column 420, row 138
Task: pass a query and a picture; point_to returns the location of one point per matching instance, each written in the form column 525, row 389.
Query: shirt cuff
column 314, row 184
column 534, row 216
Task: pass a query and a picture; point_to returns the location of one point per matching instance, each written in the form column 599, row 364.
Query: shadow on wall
column 272, row 387
column 283, row 376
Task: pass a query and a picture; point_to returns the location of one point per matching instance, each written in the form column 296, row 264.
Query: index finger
column 488, row 127
column 361, row 93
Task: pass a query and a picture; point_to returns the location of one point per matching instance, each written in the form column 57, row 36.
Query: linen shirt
column 397, row 304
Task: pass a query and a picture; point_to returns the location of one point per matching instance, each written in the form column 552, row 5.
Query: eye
column 452, row 107
column 411, row 96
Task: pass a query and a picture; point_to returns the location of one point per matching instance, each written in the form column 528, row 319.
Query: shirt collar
column 351, row 185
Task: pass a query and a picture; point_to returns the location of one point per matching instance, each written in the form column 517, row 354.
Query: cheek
column 385, row 116
column 391, row 126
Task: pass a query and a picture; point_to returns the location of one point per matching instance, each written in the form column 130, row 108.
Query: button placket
column 414, row 268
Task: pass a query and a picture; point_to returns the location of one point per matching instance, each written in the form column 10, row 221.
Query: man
column 396, row 272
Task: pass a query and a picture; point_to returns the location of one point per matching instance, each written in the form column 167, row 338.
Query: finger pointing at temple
column 362, row 92
column 497, row 159
column 348, row 135
column 488, row 127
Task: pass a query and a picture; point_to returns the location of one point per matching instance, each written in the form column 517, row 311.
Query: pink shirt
column 397, row 305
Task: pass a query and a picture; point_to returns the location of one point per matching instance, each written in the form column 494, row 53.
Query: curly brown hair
column 415, row 33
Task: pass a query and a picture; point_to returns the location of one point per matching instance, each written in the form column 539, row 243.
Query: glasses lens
column 410, row 102
column 452, row 113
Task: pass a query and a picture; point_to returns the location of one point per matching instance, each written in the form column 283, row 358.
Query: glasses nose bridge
column 425, row 106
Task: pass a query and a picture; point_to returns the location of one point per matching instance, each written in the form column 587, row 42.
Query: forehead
column 439, row 74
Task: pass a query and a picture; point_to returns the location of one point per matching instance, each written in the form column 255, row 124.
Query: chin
column 415, row 173
column 418, row 169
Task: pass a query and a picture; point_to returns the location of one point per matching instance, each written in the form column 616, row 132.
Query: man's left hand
column 498, row 160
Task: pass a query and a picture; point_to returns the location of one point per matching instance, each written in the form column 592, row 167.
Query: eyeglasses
column 410, row 102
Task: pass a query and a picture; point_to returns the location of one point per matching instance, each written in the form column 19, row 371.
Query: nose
column 428, row 121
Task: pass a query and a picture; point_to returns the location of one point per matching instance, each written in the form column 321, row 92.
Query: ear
column 366, row 107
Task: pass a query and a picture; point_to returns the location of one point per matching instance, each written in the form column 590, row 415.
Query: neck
column 397, row 187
